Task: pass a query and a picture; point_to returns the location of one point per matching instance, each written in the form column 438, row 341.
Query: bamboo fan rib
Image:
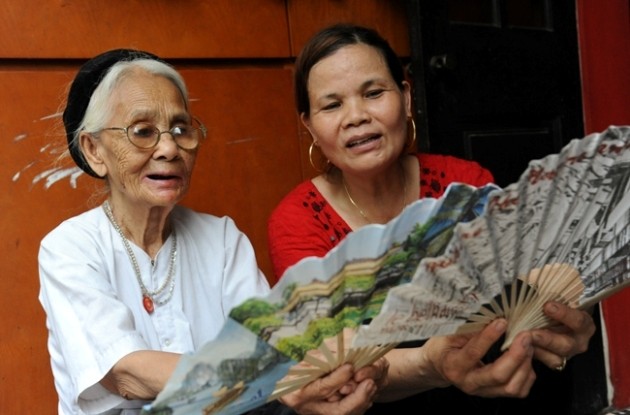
column 314, row 367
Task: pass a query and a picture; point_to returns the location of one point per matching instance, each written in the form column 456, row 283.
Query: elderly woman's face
column 159, row 176
column 358, row 114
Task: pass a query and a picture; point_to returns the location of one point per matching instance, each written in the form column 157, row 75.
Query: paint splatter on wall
column 49, row 152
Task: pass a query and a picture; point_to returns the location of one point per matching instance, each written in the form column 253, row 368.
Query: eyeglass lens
column 145, row 135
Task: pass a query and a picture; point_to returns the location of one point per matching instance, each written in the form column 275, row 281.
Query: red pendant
column 147, row 302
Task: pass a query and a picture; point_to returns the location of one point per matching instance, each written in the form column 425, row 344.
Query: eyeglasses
column 146, row 135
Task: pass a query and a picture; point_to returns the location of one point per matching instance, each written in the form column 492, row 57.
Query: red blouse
column 304, row 224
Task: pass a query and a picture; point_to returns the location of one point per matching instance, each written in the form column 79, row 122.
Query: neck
column 150, row 297
column 377, row 201
column 148, row 229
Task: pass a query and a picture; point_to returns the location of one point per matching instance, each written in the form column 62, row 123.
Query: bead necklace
column 149, row 298
column 363, row 215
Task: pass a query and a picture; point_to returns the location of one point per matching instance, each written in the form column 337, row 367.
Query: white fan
column 560, row 233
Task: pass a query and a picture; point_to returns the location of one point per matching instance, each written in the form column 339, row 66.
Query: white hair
column 98, row 111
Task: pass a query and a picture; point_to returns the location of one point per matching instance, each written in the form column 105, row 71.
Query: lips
column 362, row 140
column 162, row 177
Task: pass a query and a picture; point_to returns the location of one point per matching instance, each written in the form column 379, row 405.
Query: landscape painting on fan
column 444, row 265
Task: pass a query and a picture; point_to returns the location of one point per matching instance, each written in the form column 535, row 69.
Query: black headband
column 81, row 90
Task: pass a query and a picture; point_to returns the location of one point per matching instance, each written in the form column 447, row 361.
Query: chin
column 164, row 200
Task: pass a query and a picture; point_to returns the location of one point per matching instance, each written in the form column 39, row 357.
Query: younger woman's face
column 358, row 114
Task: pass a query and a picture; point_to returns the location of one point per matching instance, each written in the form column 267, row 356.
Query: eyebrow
column 364, row 85
column 151, row 114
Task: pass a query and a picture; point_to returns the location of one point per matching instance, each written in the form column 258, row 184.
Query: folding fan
column 561, row 232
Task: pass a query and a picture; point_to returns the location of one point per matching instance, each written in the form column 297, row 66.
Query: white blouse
column 93, row 301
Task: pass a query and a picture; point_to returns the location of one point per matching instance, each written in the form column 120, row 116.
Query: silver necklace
column 149, row 298
column 363, row 215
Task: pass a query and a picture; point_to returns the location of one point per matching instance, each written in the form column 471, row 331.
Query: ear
column 90, row 147
column 306, row 121
column 407, row 98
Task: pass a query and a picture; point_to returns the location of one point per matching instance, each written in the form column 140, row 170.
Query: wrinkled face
column 358, row 113
column 158, row 176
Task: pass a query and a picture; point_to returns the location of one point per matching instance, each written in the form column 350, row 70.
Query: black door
column 496, row 81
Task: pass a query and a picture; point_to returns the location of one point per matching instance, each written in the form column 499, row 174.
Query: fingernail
column 552, row 308
column 373, row 389
column 526, row 342
column 499, row 325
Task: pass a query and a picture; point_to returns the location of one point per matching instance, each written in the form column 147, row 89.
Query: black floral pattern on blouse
column 432, row 181
column 336, row 231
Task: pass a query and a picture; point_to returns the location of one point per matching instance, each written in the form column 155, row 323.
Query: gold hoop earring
column 327, row 168
column 310, row 156
column 413, row 135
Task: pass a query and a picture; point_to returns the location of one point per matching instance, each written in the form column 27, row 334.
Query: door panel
column 32, row 136
column 172, row 29
column 251, row 158
column 498, row 77
column 388, row 17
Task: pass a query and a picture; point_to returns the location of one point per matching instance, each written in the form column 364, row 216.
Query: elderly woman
column 352, row 96
column 130, row 285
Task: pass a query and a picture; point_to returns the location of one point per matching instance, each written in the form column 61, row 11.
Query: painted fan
column 560, row 233
column 255, row 357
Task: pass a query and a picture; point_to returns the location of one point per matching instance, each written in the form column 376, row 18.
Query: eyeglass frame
column 202, row 128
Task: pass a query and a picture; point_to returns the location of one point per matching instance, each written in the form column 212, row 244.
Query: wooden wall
column 236, row 56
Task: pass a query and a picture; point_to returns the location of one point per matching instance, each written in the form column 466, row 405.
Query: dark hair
column 329, row 40
column 83, row 86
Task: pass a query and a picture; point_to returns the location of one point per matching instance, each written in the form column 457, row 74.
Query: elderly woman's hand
column 554, row 346
column 338, row 392
column 342, row 391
